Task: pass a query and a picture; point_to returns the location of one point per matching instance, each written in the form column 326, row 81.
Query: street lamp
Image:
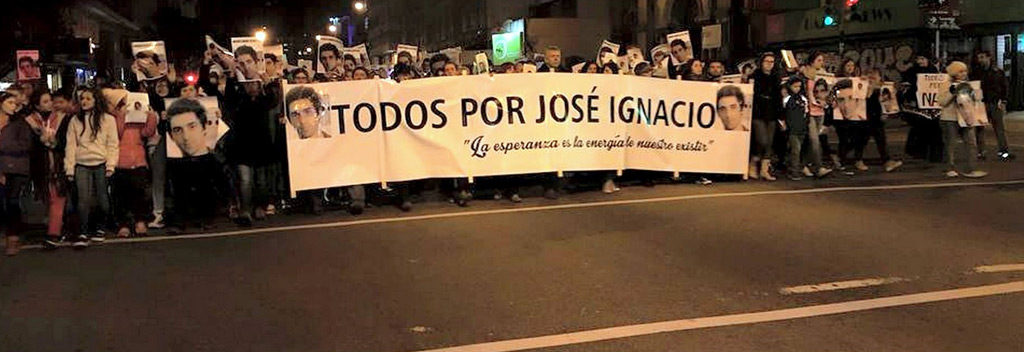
column 332, row 28
column 360, row 6
column 261, row 35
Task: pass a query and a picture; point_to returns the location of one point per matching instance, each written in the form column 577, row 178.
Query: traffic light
column 829, row 19
column 852, row 3
column 850, row 9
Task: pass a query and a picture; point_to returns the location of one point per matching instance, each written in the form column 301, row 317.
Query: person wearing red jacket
column 131, row 181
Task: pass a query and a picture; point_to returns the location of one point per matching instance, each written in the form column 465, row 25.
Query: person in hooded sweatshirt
column 796, row 121
column 131, row 181
column 90, row 158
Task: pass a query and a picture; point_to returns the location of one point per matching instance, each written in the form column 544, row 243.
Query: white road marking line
column 999, row 268
column 555, row 207
column 841, row 285
column 735, row 319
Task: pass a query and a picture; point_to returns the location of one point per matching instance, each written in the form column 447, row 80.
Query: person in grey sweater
column 90, row 158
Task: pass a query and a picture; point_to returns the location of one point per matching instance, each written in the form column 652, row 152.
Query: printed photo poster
column 887, row 96
column 821, row 88
column 789, row 59
column 609, row 52
column 747, row 67
column 624, row 65
column 680, row 47
column 150, row 60
column 453, row 54
column 578, row 67
column 138, row 108
column 249, row 57
column 407, row 54
column 851, row 99
column 711, row 36
column 328, row 56
column 28, row 64
column 275, row 60
column 212, row 44
column 480, row 64
column 660, row 53
column 636, row 56
column 529, row 67
column 735, row 103
column 197, row 142
column 928, row 87
column 970, row 107
column 308, row 113
column 358, row 53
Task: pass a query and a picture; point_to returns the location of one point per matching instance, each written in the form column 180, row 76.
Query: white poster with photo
column 209, row 136
column 609, row 52
column 928, row 87
column 624, row 65
column 680, row 47
column 887, row 96
column 275, row 60
column 150, row 60
column 731, row 79
column 529, row 68
column 28, row 64
column 358, row 53
column 660, row 53
column 249, row 58
column 747, row 67
column 480, row 64
column 479, row 126
column 212, row 44
column 851, row 98
column 138, row 108
column 711, row 36
column 578, row 67
column 306, row 65
column 408, row 54
column 970, row 107
column 453, row 54
column 329, row 57
column 636, row 56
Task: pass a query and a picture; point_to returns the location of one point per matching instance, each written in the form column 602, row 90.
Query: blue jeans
column 252, row 187
column 91, row 182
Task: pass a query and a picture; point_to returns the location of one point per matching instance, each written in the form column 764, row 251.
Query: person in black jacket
column 15, row 145
column 767, row 108
column 924, row 139
column 553, row 61
column 994, row 88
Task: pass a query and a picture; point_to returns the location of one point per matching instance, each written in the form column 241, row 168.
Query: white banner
column 928, row 87
column 358, row 132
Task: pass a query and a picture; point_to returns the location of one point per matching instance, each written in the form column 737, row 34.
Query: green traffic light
column 829, row 21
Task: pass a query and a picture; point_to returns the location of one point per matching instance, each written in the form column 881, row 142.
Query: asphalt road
column 447, row 277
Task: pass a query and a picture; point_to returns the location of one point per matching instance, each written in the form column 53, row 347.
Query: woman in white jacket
column 90, row 159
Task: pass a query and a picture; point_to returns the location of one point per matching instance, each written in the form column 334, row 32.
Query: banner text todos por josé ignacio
column 359, row 132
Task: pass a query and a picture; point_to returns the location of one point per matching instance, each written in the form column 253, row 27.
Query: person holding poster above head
column 679, row 57
column 766, row 111
column 953, row 132
column 305, row 109
column 130, row 183
column 552, row 60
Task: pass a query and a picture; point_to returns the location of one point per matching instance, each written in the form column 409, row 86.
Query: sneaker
column 860, row 165
column 952, row 174
column 515, row 198
column 975, row 174
column 892, row 165
column 609, row 187
column 271, row 209
column 157, row 223
column 80, row 242
column 703, row 181
column 497, row 196
column 822, row 172
column 1005, row 156
column 807, row 172
column 836, row 162
column 124, row 232
column 51, row 243
column 795, row 177
column 98, row 237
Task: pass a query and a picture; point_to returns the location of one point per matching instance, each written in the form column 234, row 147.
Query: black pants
column 195, row 183
column 872, row 130
column 10, row 210
column 132, row 196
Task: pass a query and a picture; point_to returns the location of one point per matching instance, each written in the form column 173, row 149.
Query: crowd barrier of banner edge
column 380, row 131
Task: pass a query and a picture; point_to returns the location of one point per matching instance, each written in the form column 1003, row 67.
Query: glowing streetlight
column 309, row 50
column 261, row 35
column 359, row 6
column 318, row 37
column 332, row 28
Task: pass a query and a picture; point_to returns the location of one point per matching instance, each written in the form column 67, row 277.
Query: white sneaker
column 271, row 209
column 892, row 165
column 860, row 165
column 822, row 172
column 609, row 187
column 952, row 174
column 157, row 223
column 976, row 174
column 807, row 172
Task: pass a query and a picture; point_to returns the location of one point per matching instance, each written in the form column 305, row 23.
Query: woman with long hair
column 50, row 125
column 15, row 144
column 90, row 157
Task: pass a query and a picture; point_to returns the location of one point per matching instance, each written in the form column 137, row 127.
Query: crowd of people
column 99, row 172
